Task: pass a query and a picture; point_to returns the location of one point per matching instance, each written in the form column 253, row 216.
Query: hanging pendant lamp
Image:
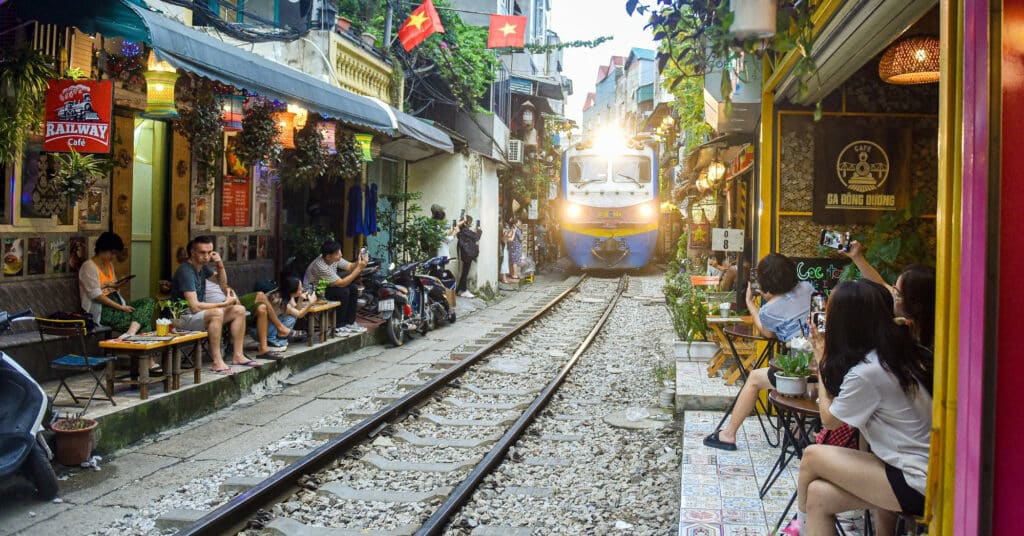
column 160, row 78
column 912, row 60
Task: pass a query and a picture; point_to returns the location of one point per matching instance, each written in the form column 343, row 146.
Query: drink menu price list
column 235, row 204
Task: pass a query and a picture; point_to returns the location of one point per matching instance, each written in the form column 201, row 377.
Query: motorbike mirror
column 391, row 266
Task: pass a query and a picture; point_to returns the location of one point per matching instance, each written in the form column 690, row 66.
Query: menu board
column 235, row 201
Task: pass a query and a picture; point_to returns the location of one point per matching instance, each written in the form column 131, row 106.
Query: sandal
column 714, row 442
column 223, row 372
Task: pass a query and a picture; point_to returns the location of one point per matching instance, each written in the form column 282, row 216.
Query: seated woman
column 97, row 288
column 293, row 306
column 874, row 377
column 261, row 317
column 783, row 316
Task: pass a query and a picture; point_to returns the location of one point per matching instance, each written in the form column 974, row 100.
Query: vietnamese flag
column 507, row 31
column 422, row 22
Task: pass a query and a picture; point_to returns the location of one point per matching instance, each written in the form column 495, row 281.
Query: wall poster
column 236, row 188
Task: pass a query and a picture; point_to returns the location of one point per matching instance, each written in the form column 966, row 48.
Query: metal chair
column 68, row 330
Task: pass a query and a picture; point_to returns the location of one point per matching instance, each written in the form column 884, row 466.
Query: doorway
column 148, row 216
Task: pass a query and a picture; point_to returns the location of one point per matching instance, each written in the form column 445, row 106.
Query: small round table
column 800, row 420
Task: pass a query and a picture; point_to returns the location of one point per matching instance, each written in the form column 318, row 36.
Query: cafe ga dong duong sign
column 78, row 116
column 860, row 169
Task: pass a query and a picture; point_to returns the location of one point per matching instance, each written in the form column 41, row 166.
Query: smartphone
column 835, row 240
column 454, row 223
column 462, row 214
column 818, row 320
column 364, row 254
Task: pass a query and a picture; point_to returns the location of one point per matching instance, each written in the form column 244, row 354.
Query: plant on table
column 321, row 287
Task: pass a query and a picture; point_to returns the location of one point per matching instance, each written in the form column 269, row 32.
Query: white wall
column 463, row 181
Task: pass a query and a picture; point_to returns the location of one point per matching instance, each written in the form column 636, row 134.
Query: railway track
column 422, row 456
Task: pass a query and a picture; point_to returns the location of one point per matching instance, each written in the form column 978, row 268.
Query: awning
column 204, row 55
column 416, row 139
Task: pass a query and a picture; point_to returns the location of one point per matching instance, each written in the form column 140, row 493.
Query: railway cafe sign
column 861, row 169
column 78, row 116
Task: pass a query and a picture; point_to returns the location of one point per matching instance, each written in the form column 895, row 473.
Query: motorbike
column 6, row 319
column 367, row 285
column 437, row 280
column 22, row 447
column 401, row 303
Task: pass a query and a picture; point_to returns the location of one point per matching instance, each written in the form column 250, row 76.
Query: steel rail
column 232, row 515
column 437, row 522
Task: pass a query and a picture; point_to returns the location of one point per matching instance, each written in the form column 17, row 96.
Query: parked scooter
column 22, row 448
column 400, row 303
column 436, row 279
column 367, row 285
column 6, row 319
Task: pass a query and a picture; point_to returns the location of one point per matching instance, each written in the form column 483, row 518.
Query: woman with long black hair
column 875, row 377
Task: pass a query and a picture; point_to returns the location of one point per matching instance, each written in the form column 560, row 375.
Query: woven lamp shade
column 160, row 94
column 285, row 129
column 913, row 60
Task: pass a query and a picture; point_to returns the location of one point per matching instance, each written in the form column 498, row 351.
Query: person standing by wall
column 469, row 249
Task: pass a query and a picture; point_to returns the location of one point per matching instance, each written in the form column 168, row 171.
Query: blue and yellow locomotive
column 609, row 206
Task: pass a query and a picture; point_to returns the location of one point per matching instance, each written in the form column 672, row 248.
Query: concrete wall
column 467, row 181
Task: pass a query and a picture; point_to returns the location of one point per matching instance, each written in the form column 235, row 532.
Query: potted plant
column 23, row 81
column 74, row 435
column 176, row 308
column 753, row 18
column 321, row 289
column 794, row 368
column 687, row 305
column 77, row 172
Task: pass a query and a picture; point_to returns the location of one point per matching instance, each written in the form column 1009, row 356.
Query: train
column 609, row 207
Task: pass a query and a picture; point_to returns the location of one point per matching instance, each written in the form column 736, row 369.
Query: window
column 585, row 169
column 634, row 169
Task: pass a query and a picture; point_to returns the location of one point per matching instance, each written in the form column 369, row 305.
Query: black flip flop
column 715, row 443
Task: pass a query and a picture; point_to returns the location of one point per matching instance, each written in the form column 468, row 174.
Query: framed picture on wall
column 78, row 253
column 58, row 255
column 14, row 256
column 35, row 257
column 35, row 201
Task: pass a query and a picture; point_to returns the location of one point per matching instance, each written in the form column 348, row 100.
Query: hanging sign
column 78, row 116
column 726, row 239
column 821, row 272
column 861, row 169
column 365, row 142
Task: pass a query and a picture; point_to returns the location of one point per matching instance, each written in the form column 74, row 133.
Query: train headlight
column 647, row 211
column 573, row 211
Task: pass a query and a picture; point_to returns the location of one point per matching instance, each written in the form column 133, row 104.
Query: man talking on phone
column 326, row 267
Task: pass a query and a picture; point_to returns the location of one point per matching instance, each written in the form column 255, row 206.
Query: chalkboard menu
column 823, row 273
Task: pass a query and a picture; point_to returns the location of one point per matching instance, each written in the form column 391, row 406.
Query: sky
column 587, row 20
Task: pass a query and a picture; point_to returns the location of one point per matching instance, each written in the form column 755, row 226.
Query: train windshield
column 634, row 169
column 588, row 169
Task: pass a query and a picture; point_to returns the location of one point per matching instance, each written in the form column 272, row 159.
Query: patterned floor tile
column 747, row 504
column 743, row 530
column 741, row 517
column 701, row 490
column 701, row 459
column 699, row 469
column 691, row 515
column 735, row 470
column 700, row 529
column 702, row 503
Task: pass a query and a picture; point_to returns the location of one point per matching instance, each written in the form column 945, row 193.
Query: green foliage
column 302, row 244
column 23, row 76
column 694, row 35
column 175, row 307
column 462, row 59
column 77, row 172
column 796, row 364
column 410, row 236
column 258, row 139
column 309, row 159
column 348, row 161
column 544, row 49
column 202, row 125
column 686, row 303
column 897, row 240
column 321, row 286
column 663, row 372
column 689, row 107
column 72, row 421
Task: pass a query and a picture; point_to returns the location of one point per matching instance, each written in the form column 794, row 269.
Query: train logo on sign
column 78, row 116
column 862, row 166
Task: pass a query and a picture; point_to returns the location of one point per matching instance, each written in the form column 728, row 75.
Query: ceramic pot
column 73, row 446
column 695, row 350
column 790, row 386
column 753, row 18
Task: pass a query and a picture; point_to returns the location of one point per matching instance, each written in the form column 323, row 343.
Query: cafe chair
column 68, row 332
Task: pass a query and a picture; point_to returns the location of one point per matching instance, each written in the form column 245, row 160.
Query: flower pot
column 368, row 39
column 342, row 24
column 73, row 446
column 790, row 386
column 696, row 350
column 753, row 18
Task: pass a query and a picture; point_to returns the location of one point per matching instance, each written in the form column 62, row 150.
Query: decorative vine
column 258, row 139
column 310, row 158
column 544, row 49
column 200, row 123
column 348, row 161
column 23, row 76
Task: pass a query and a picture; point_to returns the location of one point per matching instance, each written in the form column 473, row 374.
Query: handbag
column 844, row 436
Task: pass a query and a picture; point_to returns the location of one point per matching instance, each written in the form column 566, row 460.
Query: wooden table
column 324, row 315
column 717, row 324
column 170, row 358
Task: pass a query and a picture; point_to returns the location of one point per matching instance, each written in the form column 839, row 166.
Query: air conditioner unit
column 514, row 154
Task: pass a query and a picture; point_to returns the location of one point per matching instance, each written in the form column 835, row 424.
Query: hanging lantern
column 285, row 129
column 160, row 79
column 301, row 115
column 231, row 112
column 365, row 141
column 913, row 60
column 716, row 170
column 326, row 129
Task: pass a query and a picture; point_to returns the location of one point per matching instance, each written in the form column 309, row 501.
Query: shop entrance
column 147, row 206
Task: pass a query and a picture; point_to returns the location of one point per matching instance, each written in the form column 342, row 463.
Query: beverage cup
column 163, row 329
column 723, row 309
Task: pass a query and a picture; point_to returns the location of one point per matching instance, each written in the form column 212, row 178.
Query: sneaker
column 467, row 294
column 356, row 328
column 342, row 331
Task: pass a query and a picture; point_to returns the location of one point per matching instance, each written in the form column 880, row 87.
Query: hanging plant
column 200, row 123
column 258, row 140
column 348, row 161
column 23, row 76
column 77, row 172
column 309, row 159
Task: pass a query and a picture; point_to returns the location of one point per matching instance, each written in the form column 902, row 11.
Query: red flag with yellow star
column 507, row 31
column 422, row 22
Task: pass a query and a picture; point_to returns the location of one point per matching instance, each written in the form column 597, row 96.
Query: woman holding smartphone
column 98, row 290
